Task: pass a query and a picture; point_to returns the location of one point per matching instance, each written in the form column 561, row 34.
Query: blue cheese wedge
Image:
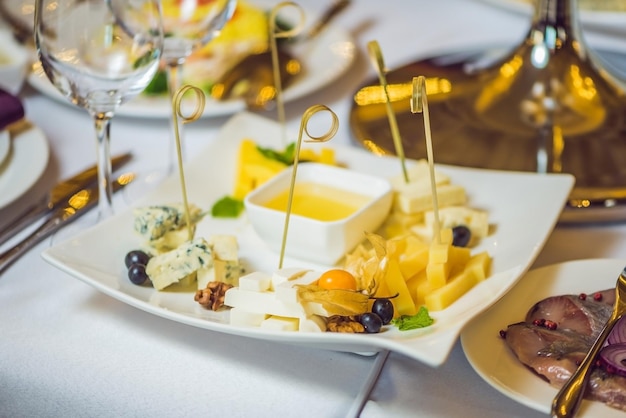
column 175, row 265
column 154, row 222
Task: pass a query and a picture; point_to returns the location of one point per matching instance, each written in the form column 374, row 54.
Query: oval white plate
column 494, row 362
column 5, row 146
column 96, row 256
column 324, row 59
column 25, row 164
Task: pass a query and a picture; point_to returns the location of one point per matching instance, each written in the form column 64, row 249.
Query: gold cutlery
column 59, row 194
column 567, row 401
column 73, row 208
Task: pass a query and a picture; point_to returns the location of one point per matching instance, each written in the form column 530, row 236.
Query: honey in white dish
column 319, row 201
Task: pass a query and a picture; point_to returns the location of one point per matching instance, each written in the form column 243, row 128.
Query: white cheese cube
column 312, row 323
column 286, row 274
column 173, row 266
column 256, row 282
column 279, row 323
column 262, row 302
column 243, row 318
column 288, row 292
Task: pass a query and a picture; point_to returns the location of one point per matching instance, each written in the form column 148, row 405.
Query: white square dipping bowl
column 324, row 242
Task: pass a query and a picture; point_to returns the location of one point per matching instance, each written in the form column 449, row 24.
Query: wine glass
column 99, row 54
column 188, row 26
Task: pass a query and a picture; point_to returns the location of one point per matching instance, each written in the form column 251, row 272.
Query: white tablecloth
column 68, row 350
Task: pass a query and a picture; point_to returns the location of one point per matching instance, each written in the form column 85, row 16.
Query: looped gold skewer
column 419, row 104
column 275, row 34
column 376, row 57
column 177, row 112
column 296, row 158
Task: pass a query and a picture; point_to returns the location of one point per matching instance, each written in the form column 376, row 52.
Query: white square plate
column 523, row 209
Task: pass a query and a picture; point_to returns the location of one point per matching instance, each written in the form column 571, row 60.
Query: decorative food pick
column 194, row 116
column 277, row 32
column 419, row 104
column 376, row 57
column 322, row 138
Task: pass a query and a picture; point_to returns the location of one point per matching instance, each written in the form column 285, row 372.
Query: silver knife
column 73, row 208
column 57, row 196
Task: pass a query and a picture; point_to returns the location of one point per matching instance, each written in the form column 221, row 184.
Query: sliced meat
column 555, row 353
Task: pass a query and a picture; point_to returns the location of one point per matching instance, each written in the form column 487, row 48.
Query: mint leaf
column 227, row 207
column 421, row 319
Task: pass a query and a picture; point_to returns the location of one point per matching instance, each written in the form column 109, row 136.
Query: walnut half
column 345, row 324
column 212, row 297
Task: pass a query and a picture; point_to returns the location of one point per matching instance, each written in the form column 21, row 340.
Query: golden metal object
column 550, row 105
column 177, row 112
column 419, row 104
column 334, row 127
column 376, row 56
column 276, row 33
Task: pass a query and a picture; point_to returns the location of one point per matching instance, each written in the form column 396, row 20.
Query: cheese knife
column 57, row 196
column 72, row 208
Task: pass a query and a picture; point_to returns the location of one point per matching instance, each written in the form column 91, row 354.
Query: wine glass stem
column 174, row 82
column 105, row 200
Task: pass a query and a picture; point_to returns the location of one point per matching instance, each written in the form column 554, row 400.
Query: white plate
column 597, row 15
column 5, row 145
column 324, row 59
column 494, row 362
column 523, row 208
column 24, row 165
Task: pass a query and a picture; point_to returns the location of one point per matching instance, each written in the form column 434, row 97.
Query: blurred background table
column 68, row 350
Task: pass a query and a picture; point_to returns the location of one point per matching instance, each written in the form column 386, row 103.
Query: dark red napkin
column 11, row 109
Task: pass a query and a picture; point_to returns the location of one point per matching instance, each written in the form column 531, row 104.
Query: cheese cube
column 419, row 200
column 173, row 266
column 243, row 318
column 287, row 290
column 286, row 274
column 262, row 302
column 152, row 222
column 312, row 323
column 256, row 282
column 279, row 323
column 224, row 247
column 441, row 298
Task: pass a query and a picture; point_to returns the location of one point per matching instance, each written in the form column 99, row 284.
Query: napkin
column 11, row 109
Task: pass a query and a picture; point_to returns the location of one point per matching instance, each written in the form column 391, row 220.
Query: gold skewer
column 195, row 115
column 274, row 34
column 321, row 138
column 419, row 104
column 376, row 57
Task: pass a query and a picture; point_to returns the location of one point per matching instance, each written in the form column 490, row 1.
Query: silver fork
column 567, row 401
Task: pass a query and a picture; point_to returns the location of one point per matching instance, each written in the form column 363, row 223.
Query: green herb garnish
column 420, row 320
column 286, row 156
column 227, row 207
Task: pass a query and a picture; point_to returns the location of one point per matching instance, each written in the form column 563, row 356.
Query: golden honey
column 319, row 201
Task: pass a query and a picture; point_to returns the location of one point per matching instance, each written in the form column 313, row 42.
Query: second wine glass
column 188, row 26
column 99, row 54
